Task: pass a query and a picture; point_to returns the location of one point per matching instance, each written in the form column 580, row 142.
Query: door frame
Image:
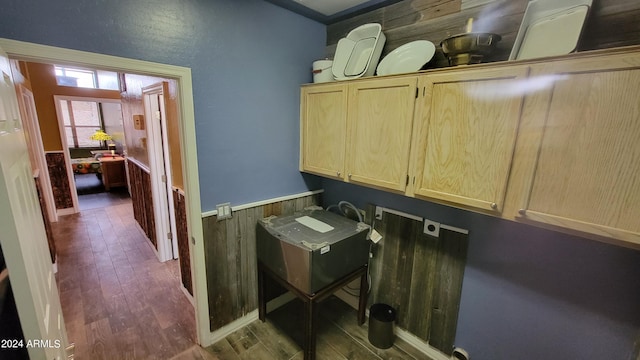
column 30, row 122
column 21, row 50
column 65, row 145
column 160, row 169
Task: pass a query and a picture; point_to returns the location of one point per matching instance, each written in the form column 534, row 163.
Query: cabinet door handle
column 349, row 176
column 494, row 206
column 522, row 212
column 338, row 173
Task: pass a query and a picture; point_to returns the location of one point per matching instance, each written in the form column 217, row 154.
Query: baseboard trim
column 66, row 211
column 416, row 342
column 420, row 345
column 231, row 327
column 280, row 301
column 188, row 295
column 238, row 324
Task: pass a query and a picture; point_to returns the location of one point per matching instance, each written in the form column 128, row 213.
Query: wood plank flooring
column 118, row 300
column 280, row 338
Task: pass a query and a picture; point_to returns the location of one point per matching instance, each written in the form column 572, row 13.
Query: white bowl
column 409, row 57
column 357, row 54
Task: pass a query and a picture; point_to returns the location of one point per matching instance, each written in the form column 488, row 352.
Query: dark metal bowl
column 469, row 48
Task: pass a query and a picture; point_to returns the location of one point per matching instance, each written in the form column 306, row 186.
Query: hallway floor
column 118, row 301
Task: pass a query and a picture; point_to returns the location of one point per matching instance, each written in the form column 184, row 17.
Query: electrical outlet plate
column 379, row 211
column 431, row 228
column 224, row 211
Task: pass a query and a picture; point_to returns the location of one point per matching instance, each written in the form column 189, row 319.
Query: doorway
column 33, row 52
column 153, row 97
column 78, row 120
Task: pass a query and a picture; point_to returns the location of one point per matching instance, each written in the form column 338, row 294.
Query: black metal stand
column 311, row 301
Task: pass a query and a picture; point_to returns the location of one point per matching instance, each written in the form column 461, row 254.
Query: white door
column 36, row 149
column 158, row 149
column 23, row 237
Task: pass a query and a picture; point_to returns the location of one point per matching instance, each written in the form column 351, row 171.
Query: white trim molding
column 380, row 210
column 455, row 229
column 265, row 202
column 420, row 345
column 231, row 327
column 238, row 324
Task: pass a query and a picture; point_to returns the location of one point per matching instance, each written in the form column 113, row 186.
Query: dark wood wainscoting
column 59, row 180
column 142, row 200
column 45, row 218
column 230, row 256
column 182, row 236
column 420, row 276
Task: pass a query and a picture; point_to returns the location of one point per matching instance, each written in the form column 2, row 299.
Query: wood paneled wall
column 45, row 219
column 610, row 23
column 420, row 276
column 230, row 255
column 182, row 236
column 140, row 189
column 59, row 180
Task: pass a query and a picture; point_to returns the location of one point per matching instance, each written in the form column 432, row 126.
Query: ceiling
column 330, row 11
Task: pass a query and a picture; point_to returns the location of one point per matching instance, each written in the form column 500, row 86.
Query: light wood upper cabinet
column 465, row 138
column 551, row 142
column 380, row 117
column 323, row 129
column 586, row 176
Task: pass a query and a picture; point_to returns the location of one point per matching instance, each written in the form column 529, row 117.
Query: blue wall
column 248, row 59
column 530, row 293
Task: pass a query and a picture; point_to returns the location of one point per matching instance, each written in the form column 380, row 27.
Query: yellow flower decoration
column 100, row 135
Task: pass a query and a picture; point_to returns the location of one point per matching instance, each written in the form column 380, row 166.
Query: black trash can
column 381, row 319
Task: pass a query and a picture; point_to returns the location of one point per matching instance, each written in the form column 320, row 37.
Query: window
column 81, row 120
column 93, row 79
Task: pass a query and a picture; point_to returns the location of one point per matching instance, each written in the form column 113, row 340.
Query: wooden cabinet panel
column 323, row 129
column 380, row 117
column 113, row 172
column 467, row 135
column 551, row 142
column 587, row 173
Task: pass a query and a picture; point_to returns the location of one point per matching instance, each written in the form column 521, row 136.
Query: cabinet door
column 587, row 173
column 323, row 129
column 467, row 134
column 380, row 125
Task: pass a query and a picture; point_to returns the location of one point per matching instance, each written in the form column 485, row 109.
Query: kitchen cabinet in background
column 380, row 116
column 465, row 137
column 113, row 172
column 552, row 142
column 323, row 129
column 359, row 132
column 586, row 175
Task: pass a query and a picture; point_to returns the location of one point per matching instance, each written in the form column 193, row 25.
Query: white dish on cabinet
column 407, row 58
column 550, row 27
column 357, row 54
